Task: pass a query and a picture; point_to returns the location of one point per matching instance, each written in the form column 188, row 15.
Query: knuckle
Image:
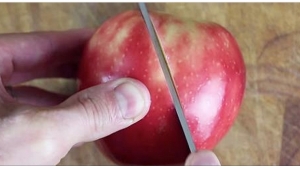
column 100, row 110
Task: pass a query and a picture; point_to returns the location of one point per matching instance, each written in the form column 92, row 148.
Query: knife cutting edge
column 168, row 77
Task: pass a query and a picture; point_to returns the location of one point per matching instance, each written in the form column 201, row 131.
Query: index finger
column 27, row 52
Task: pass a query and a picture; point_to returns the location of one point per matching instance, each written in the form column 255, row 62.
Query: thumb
column 202, row 158
column 101, row 110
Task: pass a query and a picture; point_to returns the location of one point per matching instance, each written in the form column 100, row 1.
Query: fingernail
column 131, row 99
column 203, row 158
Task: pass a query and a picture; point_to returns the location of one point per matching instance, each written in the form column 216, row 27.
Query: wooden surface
column 267, row 130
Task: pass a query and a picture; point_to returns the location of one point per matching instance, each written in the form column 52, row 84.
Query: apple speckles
column 224, row 38
column 238, row 72
column 179, row 61
column 172, row 50
column 226, row 44
column 159, row 90
column 213, row 39
column 232, row 100
column 226, row 103
column 161, row 109
column 117, row 62
column 192, row 99
column 222, row 73
column 185, row 96
column 162, row 124
column 188, row 122
column 235, row 108
column 193, row 66
column 112, row 67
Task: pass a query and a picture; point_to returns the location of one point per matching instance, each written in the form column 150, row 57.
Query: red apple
column 208, row 70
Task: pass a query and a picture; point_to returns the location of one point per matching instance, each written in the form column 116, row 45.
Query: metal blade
column 168, row 77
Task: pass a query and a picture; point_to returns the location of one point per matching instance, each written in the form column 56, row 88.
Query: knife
column 168, row 76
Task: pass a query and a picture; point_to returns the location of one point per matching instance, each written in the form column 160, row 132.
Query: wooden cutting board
column 267, row 130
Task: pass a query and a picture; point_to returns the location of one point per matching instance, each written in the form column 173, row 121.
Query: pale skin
column 39, row 127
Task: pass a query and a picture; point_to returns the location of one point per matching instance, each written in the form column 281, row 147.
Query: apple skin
column 208, row 70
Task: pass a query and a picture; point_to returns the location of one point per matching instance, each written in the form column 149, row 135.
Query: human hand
column 202, row 158
column 38, row 127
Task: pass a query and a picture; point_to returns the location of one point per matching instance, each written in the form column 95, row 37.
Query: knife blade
column 168, row 76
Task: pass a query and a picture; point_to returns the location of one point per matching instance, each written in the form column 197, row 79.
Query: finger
column 35, row 96
column 202, row 158
column 101, row 110
column 27, row 52
column 61, row 71
column 48, row 133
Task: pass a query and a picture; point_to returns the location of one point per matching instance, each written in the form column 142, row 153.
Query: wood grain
column 290, row 154
column 266, row 131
